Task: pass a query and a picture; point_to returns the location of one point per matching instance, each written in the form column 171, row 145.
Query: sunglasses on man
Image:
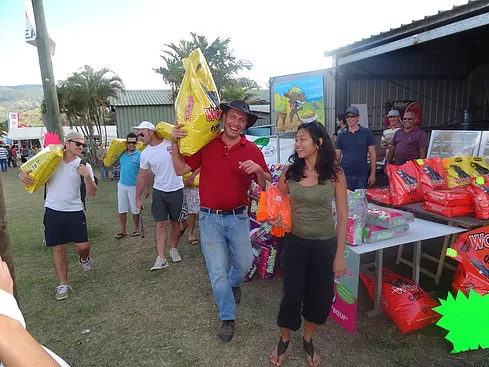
column 132, row 142
column 350, row 116
column 141, row 135
column 78, row 144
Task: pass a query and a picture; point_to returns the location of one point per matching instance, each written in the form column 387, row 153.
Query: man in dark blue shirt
column 352, row 147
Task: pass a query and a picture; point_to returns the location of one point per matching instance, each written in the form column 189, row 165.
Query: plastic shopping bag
column 381, row 195
column 197, row 105
column 273, row 203
column 43, row 165
column 163, row 130
column 479, row 193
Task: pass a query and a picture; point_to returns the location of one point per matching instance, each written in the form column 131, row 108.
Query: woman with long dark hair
column 313, row 252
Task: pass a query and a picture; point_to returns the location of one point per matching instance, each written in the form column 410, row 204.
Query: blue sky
column 278, row 37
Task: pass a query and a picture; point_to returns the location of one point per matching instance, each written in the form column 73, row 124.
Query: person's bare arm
column 179, row 164
column 338, row 154
column 422, row 153
column 339, row 265
column 390, row 155
column 252, row 168
column 141, row 183
column 373, row 164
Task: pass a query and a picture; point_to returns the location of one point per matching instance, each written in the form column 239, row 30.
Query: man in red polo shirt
column 227, row 166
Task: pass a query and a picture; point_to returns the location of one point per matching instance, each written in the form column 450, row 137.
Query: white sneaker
column 62, row 291
column 160, row 263
column 86, row 266
column 175, row 256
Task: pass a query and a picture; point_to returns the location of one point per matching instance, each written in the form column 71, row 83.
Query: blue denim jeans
column 356, row 182
column 218, row 234
column 4, row 164
column 104, row 173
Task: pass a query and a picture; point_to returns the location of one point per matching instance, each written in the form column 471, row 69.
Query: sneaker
column 226, row 331
column 160, row 263
column 62, row 291
column 236, row 294
column 175, row 256
column 86, row 266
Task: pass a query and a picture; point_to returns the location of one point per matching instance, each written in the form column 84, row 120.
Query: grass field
column 168, row 318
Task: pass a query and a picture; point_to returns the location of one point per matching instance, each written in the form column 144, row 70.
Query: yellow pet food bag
column 43, row 165
column 195, row 184
column 116, row 148
column 458, row 171
column 140, row 146
column 478, row 167
column 197, row 104
column 163, row 130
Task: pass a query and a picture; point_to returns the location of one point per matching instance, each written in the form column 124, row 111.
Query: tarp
column 28, row 133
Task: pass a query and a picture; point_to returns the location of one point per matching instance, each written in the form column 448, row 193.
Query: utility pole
column 48, row 81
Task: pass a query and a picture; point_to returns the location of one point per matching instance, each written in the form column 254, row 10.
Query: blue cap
column 393, row 113
column 352, row 110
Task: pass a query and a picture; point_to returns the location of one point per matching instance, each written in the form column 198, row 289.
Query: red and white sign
column 13, row 120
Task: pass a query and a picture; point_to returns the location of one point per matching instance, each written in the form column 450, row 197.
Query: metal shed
column 133, row 106
column 441, row 61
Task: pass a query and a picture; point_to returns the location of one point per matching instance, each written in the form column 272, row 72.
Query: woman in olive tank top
column 312, row 253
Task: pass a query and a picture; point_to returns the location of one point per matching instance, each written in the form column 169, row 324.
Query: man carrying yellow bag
column 64, row 219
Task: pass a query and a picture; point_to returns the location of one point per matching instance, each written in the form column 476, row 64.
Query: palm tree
column 83, row 99
column 221, row 60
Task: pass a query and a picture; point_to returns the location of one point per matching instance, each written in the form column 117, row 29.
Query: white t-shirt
column 158, row 159
column 63, row 189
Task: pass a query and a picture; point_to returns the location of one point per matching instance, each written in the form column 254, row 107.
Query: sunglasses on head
column 132, row 142
column 78, row 144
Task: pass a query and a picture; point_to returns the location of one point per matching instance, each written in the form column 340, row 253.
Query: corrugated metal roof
column 265, row 108
column 143, row 98
column 458, row 12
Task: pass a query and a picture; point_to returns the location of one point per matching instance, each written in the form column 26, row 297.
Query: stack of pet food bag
column 371, row 223
column 472, row 253
column 264, row 241
column 451, row 187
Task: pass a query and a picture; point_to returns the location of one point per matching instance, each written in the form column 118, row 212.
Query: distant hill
column 25, row 99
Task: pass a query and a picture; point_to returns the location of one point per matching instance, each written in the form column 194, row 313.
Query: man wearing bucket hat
column 64, row 219
column 227, row 166
column 352, row 147
column 167, row 199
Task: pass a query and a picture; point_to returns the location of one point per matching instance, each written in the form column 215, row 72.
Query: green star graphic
column 466, row 319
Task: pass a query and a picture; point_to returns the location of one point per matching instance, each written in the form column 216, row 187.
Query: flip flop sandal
column 194, row 241
column 120, row 235
column 136, row 233
column 281, row 348
column 309, row 349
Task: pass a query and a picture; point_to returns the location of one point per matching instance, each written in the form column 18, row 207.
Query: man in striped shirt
column 3, row 158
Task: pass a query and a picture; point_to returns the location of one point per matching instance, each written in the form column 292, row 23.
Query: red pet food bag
column 409, row 306
column 447, row 211
column 431, row 173
column 405, row 183
column 381, row 195
column 472, row 252
column 458, row 196
column 479, row 193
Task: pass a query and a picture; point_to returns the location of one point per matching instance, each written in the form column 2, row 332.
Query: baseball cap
column 74, row 135
column 393, row 113
column 145, row 125
column 352, row 110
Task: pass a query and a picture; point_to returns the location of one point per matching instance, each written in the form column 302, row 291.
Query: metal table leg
column 416, row 261
column 378, row 284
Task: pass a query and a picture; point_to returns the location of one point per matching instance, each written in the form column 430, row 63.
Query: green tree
column 221, row 60
column 83, row 99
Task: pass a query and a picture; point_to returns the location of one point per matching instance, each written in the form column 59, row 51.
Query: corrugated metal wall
column 127, row 117
column 438, row 80
column 442, row 99
column 330, row 100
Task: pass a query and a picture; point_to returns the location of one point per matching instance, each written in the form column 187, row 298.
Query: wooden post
column 5, row 250
column 48, row 81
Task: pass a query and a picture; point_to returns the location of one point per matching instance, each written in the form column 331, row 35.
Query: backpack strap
column 83, row 186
